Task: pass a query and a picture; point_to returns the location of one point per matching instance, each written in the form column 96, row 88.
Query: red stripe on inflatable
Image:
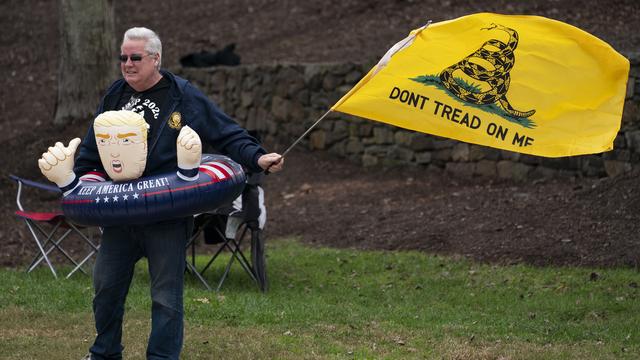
column 94, row 176
column 213, row 180
column 208, row 172
column 233, row 168
column 78, row 201
column 222, row 170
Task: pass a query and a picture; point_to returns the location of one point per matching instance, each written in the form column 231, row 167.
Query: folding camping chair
column 228, row 227
column 49, row 229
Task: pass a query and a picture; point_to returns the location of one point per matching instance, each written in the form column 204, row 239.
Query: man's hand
column 189, row 149
column 57, row 163
column 271, row 163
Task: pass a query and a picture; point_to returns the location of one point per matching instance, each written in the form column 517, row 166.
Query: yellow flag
column 521, row 83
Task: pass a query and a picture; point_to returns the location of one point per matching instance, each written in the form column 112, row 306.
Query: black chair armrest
column 35, row 184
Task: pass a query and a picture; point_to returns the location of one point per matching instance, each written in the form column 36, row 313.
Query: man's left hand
column 272, row 162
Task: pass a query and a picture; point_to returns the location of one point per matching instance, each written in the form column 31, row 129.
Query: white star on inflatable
column 106, row 199
column 135, row 195
column 115, row 198
column 125, row 197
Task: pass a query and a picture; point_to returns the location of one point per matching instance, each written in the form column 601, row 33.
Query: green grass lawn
column 327, row 303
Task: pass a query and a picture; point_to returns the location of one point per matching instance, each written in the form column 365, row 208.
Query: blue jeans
column 121, row 247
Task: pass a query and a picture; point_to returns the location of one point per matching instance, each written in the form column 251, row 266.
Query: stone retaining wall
column 282, row 100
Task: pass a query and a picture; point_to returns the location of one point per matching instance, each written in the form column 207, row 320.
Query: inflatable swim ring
column 155, row 198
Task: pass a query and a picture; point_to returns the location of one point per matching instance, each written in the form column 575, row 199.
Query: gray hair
column 153, row 45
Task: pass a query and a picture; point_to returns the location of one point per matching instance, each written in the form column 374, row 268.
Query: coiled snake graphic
column 501, row 56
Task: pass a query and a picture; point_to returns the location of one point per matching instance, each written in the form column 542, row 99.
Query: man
column 168, row 103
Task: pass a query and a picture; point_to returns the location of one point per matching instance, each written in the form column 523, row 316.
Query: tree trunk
column 87, row 58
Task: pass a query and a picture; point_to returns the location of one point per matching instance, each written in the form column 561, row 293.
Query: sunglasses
column 134, row 57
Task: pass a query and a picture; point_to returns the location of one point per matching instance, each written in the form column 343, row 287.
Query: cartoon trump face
column 121, row 137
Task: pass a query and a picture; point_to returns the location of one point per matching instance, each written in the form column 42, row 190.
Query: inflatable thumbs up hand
column 189, row 149
column 57, row 163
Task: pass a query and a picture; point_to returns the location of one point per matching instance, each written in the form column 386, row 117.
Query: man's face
column 123, row 151
column 140, row 72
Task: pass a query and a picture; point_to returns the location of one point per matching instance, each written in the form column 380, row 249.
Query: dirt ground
column 323, row 199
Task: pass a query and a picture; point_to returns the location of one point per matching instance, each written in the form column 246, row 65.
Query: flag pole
column 305, row 133
column 298, row 140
